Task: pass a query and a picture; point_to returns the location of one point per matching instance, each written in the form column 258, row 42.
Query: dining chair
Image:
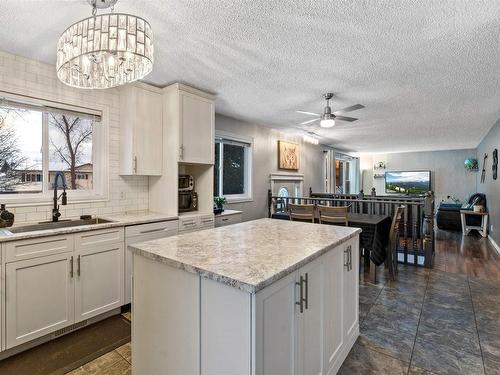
column 333, row 215
column 392, row 253
column 301, row 212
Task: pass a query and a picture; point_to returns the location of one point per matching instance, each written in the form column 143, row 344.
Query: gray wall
column 449, row 177
column 490, row 187
column 265, row 162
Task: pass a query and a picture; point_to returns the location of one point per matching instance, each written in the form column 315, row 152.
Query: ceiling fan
column 327, row 119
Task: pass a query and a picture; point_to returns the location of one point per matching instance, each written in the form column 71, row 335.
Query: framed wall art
column 288, row 155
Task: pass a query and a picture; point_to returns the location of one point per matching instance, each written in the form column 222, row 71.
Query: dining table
column 373, row 240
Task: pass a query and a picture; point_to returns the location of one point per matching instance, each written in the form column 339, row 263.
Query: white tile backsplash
column 23, row 76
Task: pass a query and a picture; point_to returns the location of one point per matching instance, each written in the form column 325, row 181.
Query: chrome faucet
column 64, row 201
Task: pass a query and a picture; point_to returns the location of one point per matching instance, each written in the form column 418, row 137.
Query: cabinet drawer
column 37, row 247
column 99, row 237
column 206, row 220
column 188, row 223
column 224, row 220
column 169, row 227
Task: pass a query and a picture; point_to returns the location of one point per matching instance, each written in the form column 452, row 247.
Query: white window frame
column 100, row 152
column 247, row 195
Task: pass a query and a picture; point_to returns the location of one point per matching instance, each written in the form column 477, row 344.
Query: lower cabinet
column 307, row 322
column 99, row 280
column 47, row 293
column 39, row 297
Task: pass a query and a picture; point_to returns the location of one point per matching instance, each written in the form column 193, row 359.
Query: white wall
column 448, row 174
column 491, row 187
column 265, row 162
column 23, row 76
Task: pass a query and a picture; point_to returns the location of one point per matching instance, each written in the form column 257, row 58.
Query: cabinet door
column 39, row 297
column 148, row 134
column 332, row 292
column 275, row 328
column 197, row 129
column 350, row 288
column 99, row 280
column 310, row 322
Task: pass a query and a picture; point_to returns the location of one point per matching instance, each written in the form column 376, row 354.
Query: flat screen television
column 407, row 182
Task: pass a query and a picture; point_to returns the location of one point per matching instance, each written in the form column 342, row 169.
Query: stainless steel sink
column 59, row 224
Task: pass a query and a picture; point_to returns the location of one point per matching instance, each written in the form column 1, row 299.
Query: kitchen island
column 265, row 297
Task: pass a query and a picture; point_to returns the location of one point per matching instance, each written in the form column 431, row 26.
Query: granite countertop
column 116, row 220
column 250, row 255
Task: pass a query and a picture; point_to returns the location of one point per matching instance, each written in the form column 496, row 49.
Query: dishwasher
column 141, row 233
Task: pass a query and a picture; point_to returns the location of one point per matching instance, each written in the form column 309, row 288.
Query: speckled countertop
column 248, row 256
column 116, row 220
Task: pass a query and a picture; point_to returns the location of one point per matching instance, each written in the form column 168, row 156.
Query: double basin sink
column 46, row 225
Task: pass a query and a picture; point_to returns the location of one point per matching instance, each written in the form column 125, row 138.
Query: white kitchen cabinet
column 39, row 297
column 333, row 337
column 228, row 217
column 350, row 285
column 197, row 129
column 310, row 320
column 275, row 328
column 192, row 222
column 316, row 338
column 141, row 233
column 99, row 276
column 141, row 129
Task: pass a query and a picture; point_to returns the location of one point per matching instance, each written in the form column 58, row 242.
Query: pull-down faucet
column 64, row 200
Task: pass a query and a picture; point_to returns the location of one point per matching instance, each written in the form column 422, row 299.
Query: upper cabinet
column 192, row 112
column 141, row 130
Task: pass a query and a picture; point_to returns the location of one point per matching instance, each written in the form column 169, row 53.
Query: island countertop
column 250, row 255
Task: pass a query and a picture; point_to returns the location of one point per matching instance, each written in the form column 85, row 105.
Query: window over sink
column 232, row 169
column 37, row 140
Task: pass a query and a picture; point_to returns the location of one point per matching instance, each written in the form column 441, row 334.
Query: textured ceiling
column 428, row 72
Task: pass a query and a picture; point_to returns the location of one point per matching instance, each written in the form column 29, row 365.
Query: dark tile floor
column 427, row 322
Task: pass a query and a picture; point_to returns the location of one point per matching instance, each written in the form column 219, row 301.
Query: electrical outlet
column 122, row 195
column 491, row 228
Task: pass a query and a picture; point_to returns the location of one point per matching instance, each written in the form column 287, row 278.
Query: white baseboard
column 495, row 245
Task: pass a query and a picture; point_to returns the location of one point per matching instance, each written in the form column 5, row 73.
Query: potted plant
column 219, row 204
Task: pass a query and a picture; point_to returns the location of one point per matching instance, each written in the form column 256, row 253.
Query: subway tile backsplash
column 23, row 76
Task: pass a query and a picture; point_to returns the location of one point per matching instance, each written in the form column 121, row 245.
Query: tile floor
column 116, row 362
column 427, row 322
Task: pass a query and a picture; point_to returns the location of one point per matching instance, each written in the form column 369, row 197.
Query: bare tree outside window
column 12, row 160
column 70, row 140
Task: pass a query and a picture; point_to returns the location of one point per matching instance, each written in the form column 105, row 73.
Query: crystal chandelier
column 105, row 50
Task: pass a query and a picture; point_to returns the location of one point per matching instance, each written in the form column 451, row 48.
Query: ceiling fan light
column 327, row 123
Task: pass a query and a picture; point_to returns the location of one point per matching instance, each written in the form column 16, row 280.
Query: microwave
column 188, row 201
column 186, row 182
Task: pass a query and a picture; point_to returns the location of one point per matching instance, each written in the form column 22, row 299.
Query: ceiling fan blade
column 349, row 109
column 344, row 118
column 308, row 122
column 308, row 113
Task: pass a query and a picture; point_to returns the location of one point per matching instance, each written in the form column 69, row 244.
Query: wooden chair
column 392, row 251
column 333, row 215
column 301, row 212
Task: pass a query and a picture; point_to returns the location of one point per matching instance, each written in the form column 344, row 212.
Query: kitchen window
column 38, row 140
column 232, row 169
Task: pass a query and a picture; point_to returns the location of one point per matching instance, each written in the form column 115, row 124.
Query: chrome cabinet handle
column 181, row 151
column 153, row 230
column 306, row 282
column 71, row 266
column 346, row 257
column 78, row 265
column 135, row 164
column 301, row 294
column 350, row 258
column 226, row 219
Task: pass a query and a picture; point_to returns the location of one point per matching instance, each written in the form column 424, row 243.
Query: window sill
column 230, row 200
